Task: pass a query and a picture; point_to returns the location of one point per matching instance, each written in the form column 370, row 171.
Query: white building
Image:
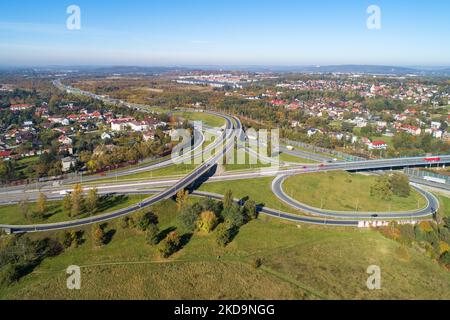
column 68, row 163
column 377, row 145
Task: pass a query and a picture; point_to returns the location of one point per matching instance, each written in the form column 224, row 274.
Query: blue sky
column 244, row 32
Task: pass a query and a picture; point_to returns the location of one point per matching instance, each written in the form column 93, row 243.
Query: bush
column 257, row 263
column 445, row 259
column 98, row 235
column 147, row 219
column 382, row 188
column 72, row 239
column 208, row 221
column 127, row 222
column 9, row 274
column 152, row 235
column 21, row 255
column 225, row 234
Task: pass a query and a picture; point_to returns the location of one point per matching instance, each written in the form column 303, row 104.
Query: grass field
column 445, row 206
column 298, row 263
column 259, row 189
column 345, row 192
column 11, row 214
column 207, row 119
column 251, row 162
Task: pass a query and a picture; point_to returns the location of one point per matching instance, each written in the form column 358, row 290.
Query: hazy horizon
column 236, row 33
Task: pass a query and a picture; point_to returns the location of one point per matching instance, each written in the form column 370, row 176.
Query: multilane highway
column 197, row 173
column 227, row 138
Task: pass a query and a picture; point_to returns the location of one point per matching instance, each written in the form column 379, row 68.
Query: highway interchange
column 225, row 142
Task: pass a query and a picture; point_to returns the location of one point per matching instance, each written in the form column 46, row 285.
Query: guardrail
column 427, row 175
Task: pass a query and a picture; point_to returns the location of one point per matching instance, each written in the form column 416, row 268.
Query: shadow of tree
column 184, row 240
column 110, row 200
column 51, row 211
column 109, row 236
column 163, row 234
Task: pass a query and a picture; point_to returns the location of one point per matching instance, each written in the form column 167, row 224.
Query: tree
column 400, row 185
column 75, row 238
column 208, row 204
column 147, row 219
column 182, row 198
column 187, row 220
column 77, row 201
column 250, row 210
column 92, row 201
column 224, row 234
column 98, row 235
column 7, row 170
column 170, row 244
column 228, row 200
column 234, row 216
column 67, row 240
column 152, row 234
column 208, row 221
column 67, row 203
column 41, row 205
column 24, row 207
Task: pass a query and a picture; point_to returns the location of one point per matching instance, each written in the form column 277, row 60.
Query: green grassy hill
column 304, row 262
column 346, row 192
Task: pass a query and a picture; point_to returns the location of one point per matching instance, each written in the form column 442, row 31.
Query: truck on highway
column 434, row 179
column 290, row 148
column 433, row 159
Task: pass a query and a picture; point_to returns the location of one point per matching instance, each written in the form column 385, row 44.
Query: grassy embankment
column 11, row 214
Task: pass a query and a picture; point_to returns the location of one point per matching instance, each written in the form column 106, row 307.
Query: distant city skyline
column 232, row 33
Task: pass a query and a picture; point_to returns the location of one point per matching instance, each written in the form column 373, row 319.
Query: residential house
column 377, row 145
column 68, row 163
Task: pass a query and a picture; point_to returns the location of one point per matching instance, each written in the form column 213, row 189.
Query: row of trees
column 207, row 215
column 40, row 211
column 76, row 203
